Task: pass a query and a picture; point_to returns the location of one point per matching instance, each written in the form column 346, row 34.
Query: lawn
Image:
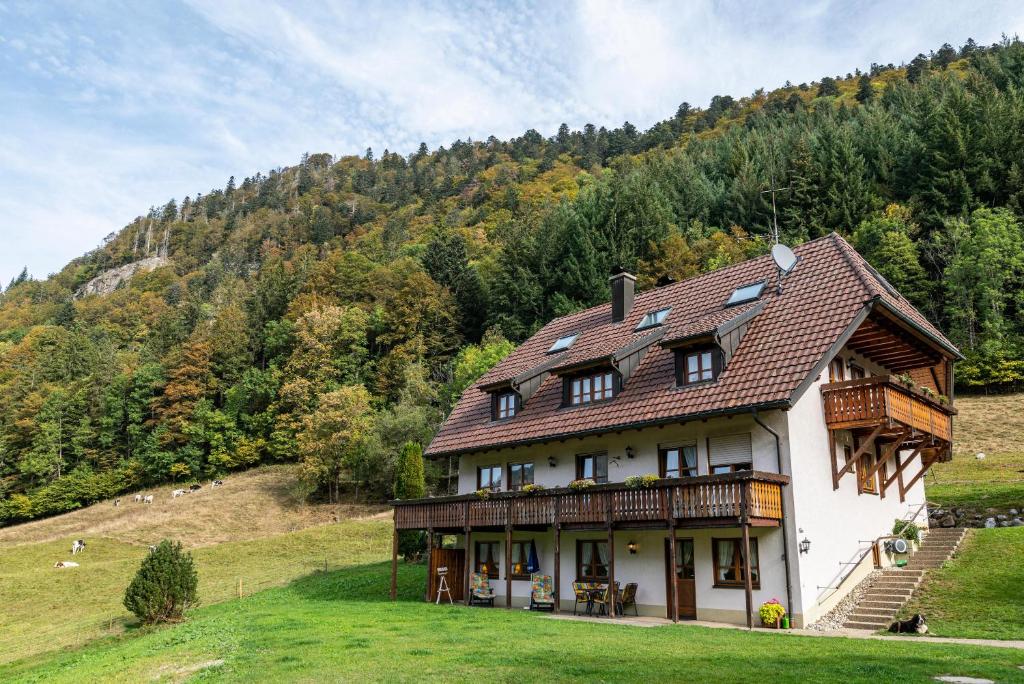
column 338, row 626
column 44, row 608
column 980, row 593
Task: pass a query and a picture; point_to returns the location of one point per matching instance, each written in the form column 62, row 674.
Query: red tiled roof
column 821, row 298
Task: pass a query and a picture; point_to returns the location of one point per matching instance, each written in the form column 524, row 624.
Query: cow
column 117, row 502
column 148, row 499
column 77, row 547
column 178, row 492
column 195, row 487
column 65, row 564
column 138, row 498
column 152, row 548
column 217, row 483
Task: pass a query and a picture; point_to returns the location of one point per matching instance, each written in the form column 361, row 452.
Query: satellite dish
column 784, row 258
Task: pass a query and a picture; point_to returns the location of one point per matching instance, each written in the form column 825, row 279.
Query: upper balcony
column 879, row 400
column 730, row 499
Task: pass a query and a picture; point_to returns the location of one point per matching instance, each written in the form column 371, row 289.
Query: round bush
column 165, row 585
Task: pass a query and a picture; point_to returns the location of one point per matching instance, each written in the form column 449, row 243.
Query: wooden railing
column 868, row 401
column 737, row 496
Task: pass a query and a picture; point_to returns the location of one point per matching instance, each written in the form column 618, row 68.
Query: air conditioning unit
column 896, row 546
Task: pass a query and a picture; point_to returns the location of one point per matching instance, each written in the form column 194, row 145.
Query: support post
column 611, row 571
column 832, row 458
column 394, row 564
column 558, row 556
column 748, row 587
column 430, row 562
column 860, row 452
column 469, row 562
column 673, row 583
column 508, row 566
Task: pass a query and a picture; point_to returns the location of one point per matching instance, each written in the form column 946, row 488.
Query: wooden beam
column 833, row 459
column 508, row 566
column 888, row 451
column 469, row 563
column 925, row 465
column 611, row 572
column 558, row 568
column 748, row 588
column 861, row 450
column 900, row 467
column 394, row 564
column 673, row 590
column 430, row 553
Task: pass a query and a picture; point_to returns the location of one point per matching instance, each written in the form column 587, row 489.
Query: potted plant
column 532, row 488
column 483, row 493
column 771, row 613
column 581, row 484
column 641, row 481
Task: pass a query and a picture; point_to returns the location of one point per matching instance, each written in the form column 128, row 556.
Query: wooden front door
column 455, row 561
column 683, row 574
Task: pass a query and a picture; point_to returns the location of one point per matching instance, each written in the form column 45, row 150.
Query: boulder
column 948, row 521
column 990, row 523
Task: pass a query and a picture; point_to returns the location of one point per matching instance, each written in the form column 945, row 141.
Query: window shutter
column 730, row 450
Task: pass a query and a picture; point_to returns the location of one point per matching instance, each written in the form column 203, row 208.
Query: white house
column 785, row 421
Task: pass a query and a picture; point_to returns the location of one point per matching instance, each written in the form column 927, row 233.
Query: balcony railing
column 870, row 401
column 714, row 499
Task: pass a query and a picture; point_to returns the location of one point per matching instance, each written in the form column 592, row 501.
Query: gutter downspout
column 782, row 503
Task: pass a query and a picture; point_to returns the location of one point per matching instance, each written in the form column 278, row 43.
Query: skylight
column 653, row 318
column 747, row 293
column 563, row 343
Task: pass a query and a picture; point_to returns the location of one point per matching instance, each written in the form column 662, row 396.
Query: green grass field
column 338, row 626
column 980, row 593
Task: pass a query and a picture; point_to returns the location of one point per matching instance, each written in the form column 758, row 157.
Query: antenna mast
column 775, row 215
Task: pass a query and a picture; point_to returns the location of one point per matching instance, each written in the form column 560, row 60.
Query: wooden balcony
column 870, row 402
column 731, row 499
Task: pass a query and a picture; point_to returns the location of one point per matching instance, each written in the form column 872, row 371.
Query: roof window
column 563, row 343
column 746, row 293
column 653, row 319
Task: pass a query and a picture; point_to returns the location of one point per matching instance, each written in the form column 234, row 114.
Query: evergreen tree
column 865, row 92
column 409, row 479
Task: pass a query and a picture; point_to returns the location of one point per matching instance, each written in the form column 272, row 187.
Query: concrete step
column 873, row 626
column 865, row 613
column 890, row 605
column 889, row 595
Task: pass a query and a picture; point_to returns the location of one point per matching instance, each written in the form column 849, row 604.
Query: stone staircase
column 894, row 586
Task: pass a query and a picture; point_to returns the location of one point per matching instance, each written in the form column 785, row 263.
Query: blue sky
column 109, row 108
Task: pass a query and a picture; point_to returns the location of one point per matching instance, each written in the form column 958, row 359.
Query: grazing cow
column 152, row 548
column 979, row 456
column 217, row 483
column 65, row 564
column 148, row 499
column 78, row 546
column 117, row 502
column 138, row 498
column 195, row 487
column 178, row 492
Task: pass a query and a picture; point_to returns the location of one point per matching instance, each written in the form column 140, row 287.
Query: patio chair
column 605, row 599
column 480, row 591
column 541, row 595
column 582, row 591
column 628, row 598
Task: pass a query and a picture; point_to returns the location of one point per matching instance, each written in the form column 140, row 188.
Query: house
column 789, row 419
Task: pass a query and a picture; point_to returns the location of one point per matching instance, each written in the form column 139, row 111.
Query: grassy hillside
column 339, row 627
column 993, row 425
column 238, row 532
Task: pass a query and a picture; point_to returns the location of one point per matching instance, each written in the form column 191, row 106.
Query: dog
column 914, row 625
column 147, row 499
column 178, row 492
column 78, row 546
column 195, row 487
column 138, row 498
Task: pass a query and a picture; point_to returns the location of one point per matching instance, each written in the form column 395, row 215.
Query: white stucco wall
column 840, row 523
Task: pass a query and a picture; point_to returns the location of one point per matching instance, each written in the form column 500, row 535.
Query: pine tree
column 865, row 93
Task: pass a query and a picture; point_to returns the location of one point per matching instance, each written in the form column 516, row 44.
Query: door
column 683, row 575
column 455, row 561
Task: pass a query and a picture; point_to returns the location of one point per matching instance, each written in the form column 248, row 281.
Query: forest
column 330, row 313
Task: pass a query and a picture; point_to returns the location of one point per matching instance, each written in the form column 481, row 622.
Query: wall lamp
column 629, row 452
column 552, row 461
column 632, row 547
column 805, row 545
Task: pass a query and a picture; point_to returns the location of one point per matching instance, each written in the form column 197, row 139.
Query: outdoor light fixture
column 632, row 547
column 805, row 545
column 629, row 452
column 552, row 462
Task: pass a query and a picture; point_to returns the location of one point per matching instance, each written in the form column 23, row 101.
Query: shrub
column 165, row 585
column 409, row 478
column 771, row 612
column 483, row 493
column 585, row 483
column 907, row 529
column 641, row 481
column 531, row 488
column 412, row 545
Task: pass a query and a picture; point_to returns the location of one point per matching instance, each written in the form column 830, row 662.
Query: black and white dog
column 79, row 545
column 915, row 624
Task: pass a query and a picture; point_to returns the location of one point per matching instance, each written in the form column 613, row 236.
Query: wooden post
column 394, row 565
column 673, row 584
column 508, row 566
column 430, row 556
column 748, row 588
column 558, row 556
column 611, row 571
column 469, row 561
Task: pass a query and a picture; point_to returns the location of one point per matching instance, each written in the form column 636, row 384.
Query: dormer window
column 746, row 293
column 653, row 319
column 694, row 366
column 504, row 405
column 586, row 389
column 563, row 343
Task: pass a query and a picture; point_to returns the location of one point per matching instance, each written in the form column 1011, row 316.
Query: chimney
column 623, row 285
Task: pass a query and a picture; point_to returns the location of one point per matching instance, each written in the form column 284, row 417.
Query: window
column 519, row 474
column 730, row 453
column 488, row 477
column 521, row 560
column 695, row 366
column 684, row 560
column 856, row 372
column 747, row 293
column 505, row 405
column 653, row 319
column 563, row 343
column 678, row 461
column 590, row 388
column 836, row 371
column 487, row 558
column 868, row 485
column 592, row 467
column 728, row 560
column 591, row 561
